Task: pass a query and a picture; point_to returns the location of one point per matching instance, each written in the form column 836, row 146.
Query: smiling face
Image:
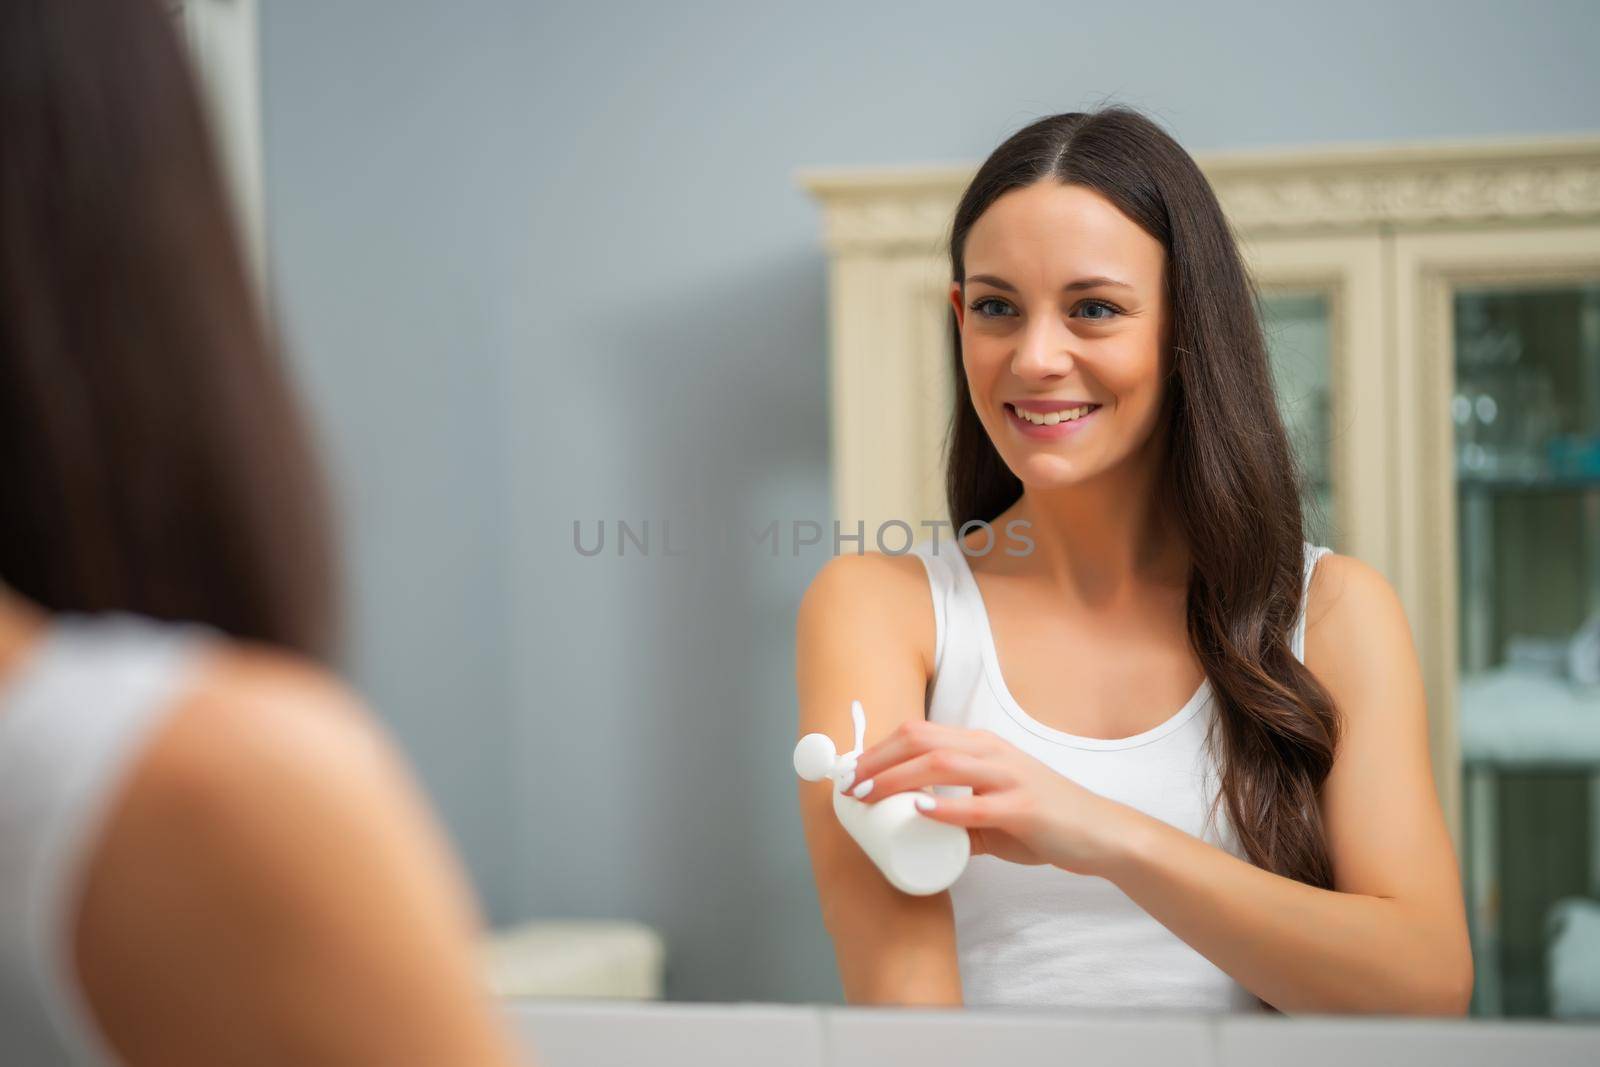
column 1063, row 331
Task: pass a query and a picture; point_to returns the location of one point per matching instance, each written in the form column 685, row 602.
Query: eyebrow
column 1071, row 287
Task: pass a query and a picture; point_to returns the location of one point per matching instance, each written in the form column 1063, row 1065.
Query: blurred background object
column 223, row 40
column 575, row 958
column 1573, row 980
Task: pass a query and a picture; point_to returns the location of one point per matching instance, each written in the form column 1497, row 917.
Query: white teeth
column 1053, row 417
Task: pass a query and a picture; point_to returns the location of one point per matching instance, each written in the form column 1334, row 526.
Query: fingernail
column 862, row 790
column 925, row 802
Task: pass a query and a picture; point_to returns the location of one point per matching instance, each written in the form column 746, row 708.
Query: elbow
column 1453, row 999
column 1457, row 1000
column 1440, row 975
column 1447, row 988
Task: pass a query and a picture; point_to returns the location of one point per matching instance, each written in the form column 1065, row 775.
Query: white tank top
column 74, row 717
column 1041, row 936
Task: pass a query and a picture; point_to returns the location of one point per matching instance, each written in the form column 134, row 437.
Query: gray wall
column 542, row 262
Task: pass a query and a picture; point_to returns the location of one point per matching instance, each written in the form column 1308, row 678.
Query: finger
column 942, row 766
column 916, row 736
column 974, row 812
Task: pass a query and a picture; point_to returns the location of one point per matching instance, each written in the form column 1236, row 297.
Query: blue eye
column 1112, row 310
column 977, row 305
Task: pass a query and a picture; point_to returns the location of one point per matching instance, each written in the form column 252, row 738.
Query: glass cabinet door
column 1525, row 414
column 1297, row 327
column 1321, row 308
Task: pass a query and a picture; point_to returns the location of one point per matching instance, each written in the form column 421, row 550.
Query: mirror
column 607, row 318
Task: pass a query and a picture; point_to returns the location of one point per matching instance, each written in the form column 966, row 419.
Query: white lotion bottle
column 918, row 855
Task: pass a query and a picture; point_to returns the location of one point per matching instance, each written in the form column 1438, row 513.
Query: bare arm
column 1391, row 938
column 865, row 631
column 274, row 889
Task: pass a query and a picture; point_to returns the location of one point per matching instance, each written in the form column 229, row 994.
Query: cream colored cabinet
column 1386, row 273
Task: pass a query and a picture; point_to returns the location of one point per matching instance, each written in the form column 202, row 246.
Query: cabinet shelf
column 1544, row 483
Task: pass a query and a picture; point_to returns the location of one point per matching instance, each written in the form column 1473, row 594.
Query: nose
column 1044, row 352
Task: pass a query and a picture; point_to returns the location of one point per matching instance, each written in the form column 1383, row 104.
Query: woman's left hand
column 1020, row 810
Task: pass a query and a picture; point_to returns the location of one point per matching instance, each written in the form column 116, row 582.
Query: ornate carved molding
column 1411, row 186
column 884, row 209
column 1319, row 189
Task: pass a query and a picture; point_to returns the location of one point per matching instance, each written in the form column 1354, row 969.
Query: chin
column 1043, row 471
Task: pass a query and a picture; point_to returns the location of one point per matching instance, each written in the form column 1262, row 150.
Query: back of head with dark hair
column 152, row 458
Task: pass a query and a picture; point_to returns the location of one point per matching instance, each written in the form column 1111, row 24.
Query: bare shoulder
column 1358, row 639
column 261, row 759
column 1346, row 592
column 873, row 597
column 265, row 762
column 873, row 580
column 256, row 718
column 270, row 836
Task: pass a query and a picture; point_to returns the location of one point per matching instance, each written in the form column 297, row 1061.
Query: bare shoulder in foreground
column 274, row 884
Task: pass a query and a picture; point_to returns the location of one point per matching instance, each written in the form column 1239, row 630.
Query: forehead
column 1040, row 234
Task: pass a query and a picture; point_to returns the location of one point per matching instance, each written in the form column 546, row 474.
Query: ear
column 956, row 303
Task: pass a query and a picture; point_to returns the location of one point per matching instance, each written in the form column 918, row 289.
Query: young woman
column 209, row 850
column 1189, row 746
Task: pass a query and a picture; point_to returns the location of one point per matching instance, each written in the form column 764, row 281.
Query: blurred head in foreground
column 152, row 459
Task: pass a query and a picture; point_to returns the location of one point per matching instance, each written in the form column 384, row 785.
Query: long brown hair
column 152, row 459
column 1229, row 471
